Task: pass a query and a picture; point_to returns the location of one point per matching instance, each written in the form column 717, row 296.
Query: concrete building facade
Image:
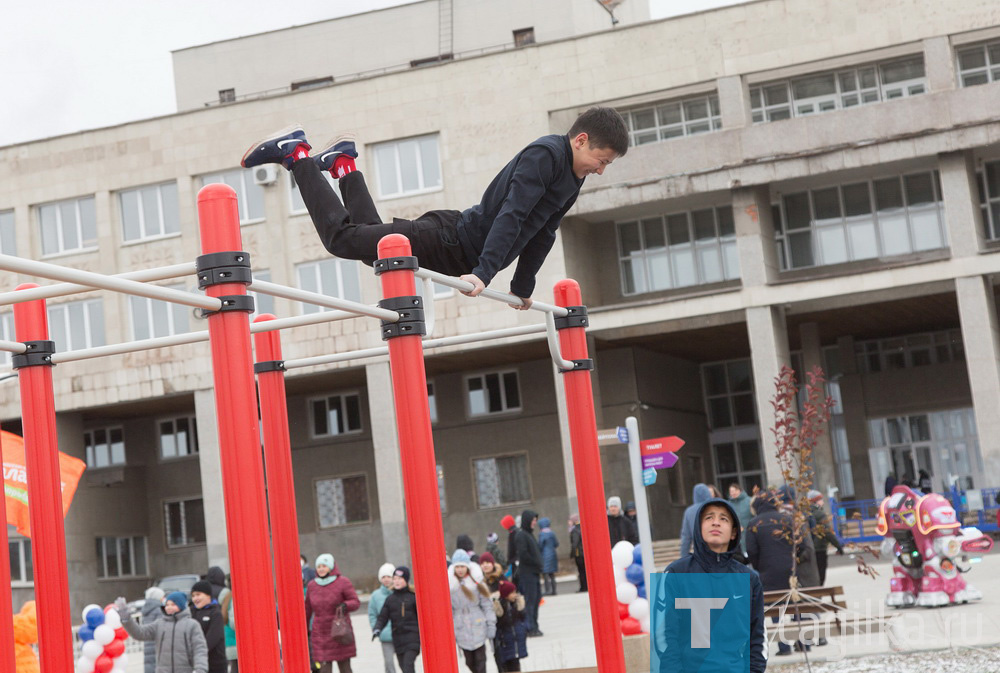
column 810, row 184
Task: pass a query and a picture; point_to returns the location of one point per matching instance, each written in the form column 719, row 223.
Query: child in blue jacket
column 550, row 562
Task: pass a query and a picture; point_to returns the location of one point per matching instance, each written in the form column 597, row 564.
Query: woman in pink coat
column 324, row 594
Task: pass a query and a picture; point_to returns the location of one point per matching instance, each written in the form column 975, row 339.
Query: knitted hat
column 386, row 570
column 492, row 538
column 461, row 558
column 325, row 560
column 629, row 505
column 814, row 495
column 615, row 501
column 178, row 598
column 203, row 586
column 154, row 593
column 487, row 557
column 402, row 571
column 507, row 522
column 506, row 589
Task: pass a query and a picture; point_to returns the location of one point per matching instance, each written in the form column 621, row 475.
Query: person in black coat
column 576, row 550
column 400, row 608
column 529, row 559
column 208, row 614
column 620, row 526
column 509, row 645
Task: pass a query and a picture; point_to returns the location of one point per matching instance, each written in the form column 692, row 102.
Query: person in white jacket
column 472, row 610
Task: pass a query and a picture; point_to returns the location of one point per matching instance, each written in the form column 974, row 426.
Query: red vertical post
column 45, row 507
column 6, row 604
column 416, row 448
column 590, row 491
column 281, row 498
column 239, row 444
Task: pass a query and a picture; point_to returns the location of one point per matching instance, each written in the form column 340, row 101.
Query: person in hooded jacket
column 510, row 526
column 25, row 634
column 509, row 644
column 700, row 494
column 472, row 611
column 325, row 594
column 716, row 540
column 375, row 603
column 529, row 559
column 152, row 609
column 741, row 503
column 208, row 614
column 180, row 643
column 216, row 576
column 620, row 527
column 548, row 542
column 400, row 608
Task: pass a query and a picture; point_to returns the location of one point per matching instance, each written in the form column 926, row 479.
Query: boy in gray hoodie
column 180, row 643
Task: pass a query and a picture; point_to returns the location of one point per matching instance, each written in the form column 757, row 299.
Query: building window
column 979, row 64
column 988, row 182
column 336, row 415
column 493, row 393
column 78, row 324
column 184, row 522
column 864, row 220
column 838, row 423
column 249, row 195
column 411, row 166
column 912, row 350
column 678, row 250
column 524, row 36
column 121, row 557
column 332, row 277
column 729, row 399
column 315, row 83
column 342, row 501
column 262, row 303
column 7, row 334
column 178, row 437
column 157, row 318
column 673, row 119
column 22, row 571
column 8, row 238
column 68, row 226
column 738, row 462
column 227, row 95
column 149, row 212
column 502, row 480
column 432, row 402
column 836, row 90
column 105, row 447
column 441, row 496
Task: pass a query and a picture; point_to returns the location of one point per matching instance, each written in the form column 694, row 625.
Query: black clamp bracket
column 395, row 264
column 38, row 353
column 411, row 316
column 223, row 267
column 576, row 317
column 232, row 302
column 269, row 366
column 586, row 364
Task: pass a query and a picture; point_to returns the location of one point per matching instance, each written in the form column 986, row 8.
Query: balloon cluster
column 630, row 588
column 103, row 638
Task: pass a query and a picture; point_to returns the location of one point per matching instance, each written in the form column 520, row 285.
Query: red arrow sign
column 660, row 445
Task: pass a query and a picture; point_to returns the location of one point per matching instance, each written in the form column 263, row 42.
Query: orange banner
column 15, row 480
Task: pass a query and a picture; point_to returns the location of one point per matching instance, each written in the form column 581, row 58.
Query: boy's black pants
column 353, row 232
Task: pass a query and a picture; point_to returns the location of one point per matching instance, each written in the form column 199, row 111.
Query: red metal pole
column 590, row 491
column 239, row 446
column 416, row 448
column 45, row 508
column 6, row 604
column 281, row 498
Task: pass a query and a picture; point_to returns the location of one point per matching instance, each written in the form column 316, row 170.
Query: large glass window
column 121, row 557
column 988, row 182
column 979, row 64
column 184, row 522
column 873, row 219
column 336, row 414
column 341, row 501
column 22, row 571
column 839, row 89
column 68, row 226
column 911, row 350
column 729, row 398
column 404, row 167
column 149, row 212
column 104, row 447
column 157, row 318
column 178, row 437
column 8, row 239
column 502, row 480
column 249, row 195
column 672, row 119
column 492, row 393
column 77, row 324
column 678, row 250
column 331, row 276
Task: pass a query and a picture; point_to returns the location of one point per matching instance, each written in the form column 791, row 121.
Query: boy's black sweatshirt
column 520, row 212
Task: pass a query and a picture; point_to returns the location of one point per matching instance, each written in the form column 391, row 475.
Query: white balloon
column 84, row 665
column 92, row 649
column 112, row 618
column 119, row 666
column 644, row 624
column 626, row 592
column 639, row 609
column 104, row 634
column 88, row 609
column 621, row 554
column 619, row 574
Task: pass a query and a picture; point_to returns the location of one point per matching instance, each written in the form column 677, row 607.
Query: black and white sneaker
column 276, row 148
column 341, row 145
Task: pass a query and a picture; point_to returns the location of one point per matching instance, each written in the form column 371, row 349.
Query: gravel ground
column 966, row 660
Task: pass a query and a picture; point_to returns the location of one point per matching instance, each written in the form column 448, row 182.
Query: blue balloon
column 95, row 618
column 85, row 633
column 634, row 574
column 637, row 555
column 642, row 590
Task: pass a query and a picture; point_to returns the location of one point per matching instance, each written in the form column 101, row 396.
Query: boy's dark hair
column 604, row 128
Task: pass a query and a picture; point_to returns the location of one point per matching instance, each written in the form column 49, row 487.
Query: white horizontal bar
column 296, row 294
column 55, row 272
column 12, row 346
column 300, row 321
column 506, row 298
column 336, row 357
column 64, row 289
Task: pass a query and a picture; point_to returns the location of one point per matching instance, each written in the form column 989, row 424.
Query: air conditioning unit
column 265, row 175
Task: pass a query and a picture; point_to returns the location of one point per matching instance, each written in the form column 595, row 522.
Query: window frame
column 341, row 477
column 315, row 267
column 991, row 70
column 88, row 320
column 661, row 128
column 102, row 570
column 90, row 447
column 311, row 401
column 148, row 310
column 396, row 144
column 527, row 473
column 8, row 231
column 62, row 250
column 145, row 237
column 245, row 182
column 192, row 433
column 506, row 411
column 166, row 522
column 24, row 560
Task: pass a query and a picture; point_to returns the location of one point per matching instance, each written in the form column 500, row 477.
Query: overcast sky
column 70, row 65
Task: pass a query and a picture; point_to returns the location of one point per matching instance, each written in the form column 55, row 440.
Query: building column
column 755, row 236
column 981, row 337
column 734, row 102
column 939, row 63
column 823, row 463
column 210, row 466
column 768, row 354
column 388, row 469
column 962, row 215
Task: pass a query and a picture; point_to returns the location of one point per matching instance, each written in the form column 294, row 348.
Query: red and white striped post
column 239, row 440
column 45, row 506
column 416, row 448
column 590, row 489
column 281, row 497
column 6, row 604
